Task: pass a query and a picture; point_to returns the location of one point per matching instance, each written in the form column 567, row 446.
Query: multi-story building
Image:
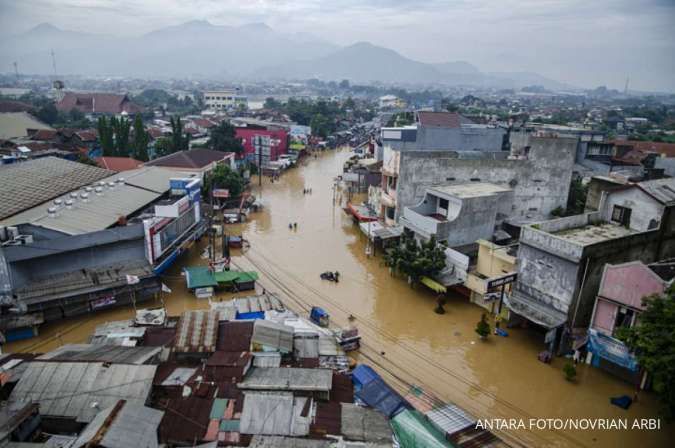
column 221, row 100
column 561, row 261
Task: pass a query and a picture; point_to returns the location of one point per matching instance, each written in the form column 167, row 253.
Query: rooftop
column 469, row 190
column 16, row 124
column 27, row 184
column 441, row 119
column 122, row 195
column 80, row 389
column 593, row 233
column 288, row 378
column 118, row 163
column 192, row 159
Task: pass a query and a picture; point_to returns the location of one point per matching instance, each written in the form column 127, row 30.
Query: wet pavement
column 404, row 338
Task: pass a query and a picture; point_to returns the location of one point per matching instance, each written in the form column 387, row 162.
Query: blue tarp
column 250, row 316
column 613, row 350
column 363, row 375
column 377, row 394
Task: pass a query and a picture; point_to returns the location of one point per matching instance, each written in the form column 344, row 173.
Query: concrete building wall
column 646, row 212
column 22, row 272
column 475, row 219
column 540, row 182
column 466, row 138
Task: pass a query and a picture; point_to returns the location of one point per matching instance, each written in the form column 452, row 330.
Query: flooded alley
column 402, row 335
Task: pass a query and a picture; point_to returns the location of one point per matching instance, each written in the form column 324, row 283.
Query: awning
column 433, row 285
column 199, row 277
column 235, row 276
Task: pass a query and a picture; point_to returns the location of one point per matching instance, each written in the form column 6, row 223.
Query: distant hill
column 253, row 51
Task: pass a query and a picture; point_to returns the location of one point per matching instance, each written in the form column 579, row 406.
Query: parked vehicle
column 319, row 316
column 349, row 339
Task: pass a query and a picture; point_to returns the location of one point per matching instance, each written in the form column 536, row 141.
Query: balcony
column 425, row 223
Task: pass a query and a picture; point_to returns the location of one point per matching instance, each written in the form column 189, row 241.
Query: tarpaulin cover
column 362, row 375
column 250, row 316
column 377, row 394
column 433, row 285
column 199, row 277
column 414, row 431
column 613, row 350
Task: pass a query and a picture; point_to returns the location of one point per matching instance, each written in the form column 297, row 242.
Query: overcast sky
column 583, row 42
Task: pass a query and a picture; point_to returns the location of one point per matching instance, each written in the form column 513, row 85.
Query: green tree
column 223, row 176
column 272, row 104
column 653, row 342
column 121, row 129
column 48, row 113
column 416, row 260
column 141, row 140
column 106, row 137
column 181, row 141
column 164, row 147
column 576, row 201
column 320, row 126
column 223, row 138
column 483, row 327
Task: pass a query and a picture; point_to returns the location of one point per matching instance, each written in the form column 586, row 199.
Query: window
column 443, row 203
column 390, row 212
column 450, row 179
column 621, row 215
column 624, row 318
column 475, row 179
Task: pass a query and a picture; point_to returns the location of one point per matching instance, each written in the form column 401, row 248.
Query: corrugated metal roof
column 179, row 376
column 234, row 336
column 273, row 335
column 663, row 190
column 306, row 345
column 132, row 425
column 288, row 378
column 197, row 332
column 275, row 413
column 450, row 419
column 16, row 124
column 175, row 428
column 266, row 359
column 28, row 184
column 152, row 178
column 364, row 424
column 70, row 389
column 102, row 353
column 287, row 442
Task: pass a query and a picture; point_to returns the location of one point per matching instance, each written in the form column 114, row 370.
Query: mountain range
column 254, row 51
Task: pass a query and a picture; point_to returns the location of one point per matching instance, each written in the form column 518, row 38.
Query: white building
column 223, row 99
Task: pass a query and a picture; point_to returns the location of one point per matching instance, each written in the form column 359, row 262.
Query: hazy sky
column 584, row 42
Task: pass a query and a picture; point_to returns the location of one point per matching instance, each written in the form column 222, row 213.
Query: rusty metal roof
column 197, row 332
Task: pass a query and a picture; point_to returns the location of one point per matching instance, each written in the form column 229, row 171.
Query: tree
column 576, row 201
column 416, row 260
column 141, row 140
column 272, row 104
column 319, row 125
column 48, row 113
column 652, row 341
column 223, row 176
column 164, row 147
column 181, row 141
column 121, row 127
column 483, row 327
column 106, row 137
column 223, row 138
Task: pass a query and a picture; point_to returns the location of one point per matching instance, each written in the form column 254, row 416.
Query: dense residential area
column 350, row 249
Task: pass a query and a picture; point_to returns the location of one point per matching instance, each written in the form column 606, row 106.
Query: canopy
column 235, row 276
column 433, row 285
column 199, row 277
column 414, row 431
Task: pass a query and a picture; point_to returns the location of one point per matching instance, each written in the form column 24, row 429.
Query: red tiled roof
column 118, row 163
column 99, row 103
column 15, row 106
column 155, row 132
column 203, row 123
column 44, row 134
column 86, row 135
column 194, row 158
column 441, row 119
column 665, row 149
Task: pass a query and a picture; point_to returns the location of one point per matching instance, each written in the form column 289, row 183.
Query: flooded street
column 404, row 339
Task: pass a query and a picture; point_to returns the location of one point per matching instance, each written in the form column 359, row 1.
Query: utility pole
column 54, row 61
column 16, row 70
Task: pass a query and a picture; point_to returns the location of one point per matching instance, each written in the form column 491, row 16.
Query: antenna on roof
column 16, row 70
column 625, row 89
column 57, row 85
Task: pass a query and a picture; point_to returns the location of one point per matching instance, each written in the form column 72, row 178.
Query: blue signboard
column 613, row 350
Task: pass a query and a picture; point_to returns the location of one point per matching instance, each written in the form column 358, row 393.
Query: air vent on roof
column 69, row 203
column 51, row 212
column 120, row 180
column 58, row 202
column 84, row 196
column 111, row 185
column 73, row 195
column 99, row 191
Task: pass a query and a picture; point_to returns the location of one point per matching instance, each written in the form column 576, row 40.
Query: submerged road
column 403, row 338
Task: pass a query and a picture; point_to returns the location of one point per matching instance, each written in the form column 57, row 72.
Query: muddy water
column 404, row 339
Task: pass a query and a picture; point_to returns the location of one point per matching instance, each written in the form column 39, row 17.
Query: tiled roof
column 44, row 134
column 194, row 158
column 118, row 163
column 102, row 103
column 441, row 119
column 665, row 149
column 27, row 184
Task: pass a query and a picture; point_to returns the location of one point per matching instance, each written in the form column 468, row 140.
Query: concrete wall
column 540, row 182
column 466, row 138
column 646, row 211
column 22, row 272
column 475, row 219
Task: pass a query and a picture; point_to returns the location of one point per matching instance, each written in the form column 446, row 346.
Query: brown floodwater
column 404, row 339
